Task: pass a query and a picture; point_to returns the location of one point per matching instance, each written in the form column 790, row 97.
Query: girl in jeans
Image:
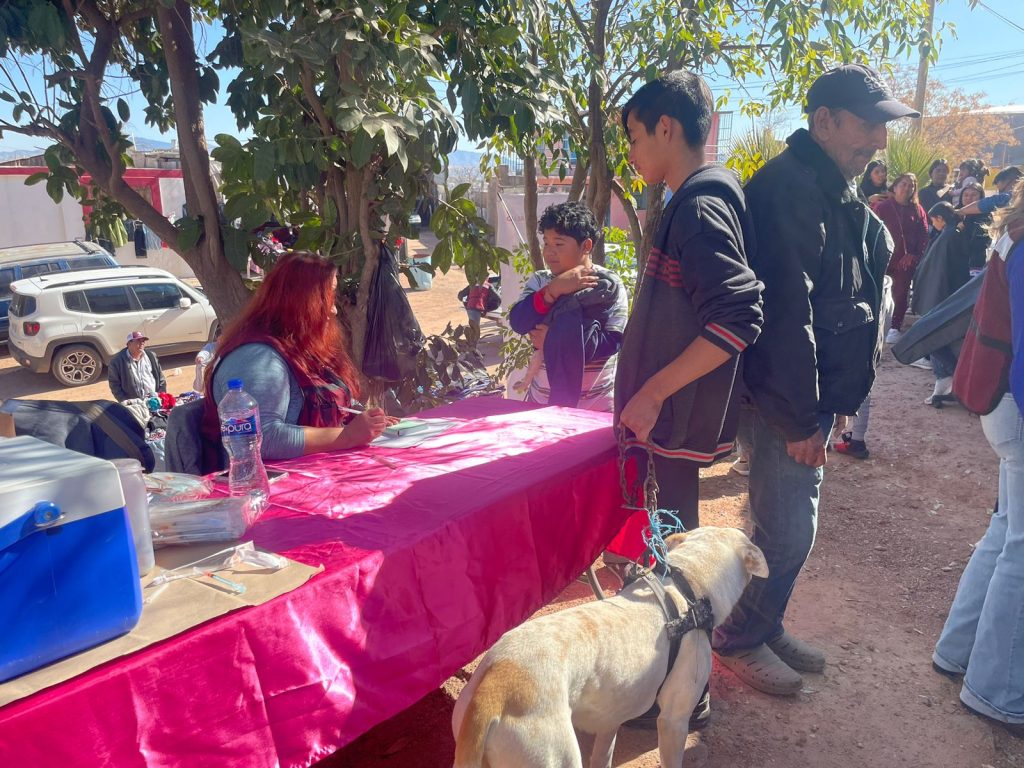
column 983, row 638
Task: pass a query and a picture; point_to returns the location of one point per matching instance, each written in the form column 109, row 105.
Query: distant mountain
column 462, row 158
column 14, row 154
column 143, row 144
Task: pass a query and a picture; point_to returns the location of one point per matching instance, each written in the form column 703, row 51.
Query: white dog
column 598, row 665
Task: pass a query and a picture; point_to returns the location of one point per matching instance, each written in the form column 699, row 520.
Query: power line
column 998, row 15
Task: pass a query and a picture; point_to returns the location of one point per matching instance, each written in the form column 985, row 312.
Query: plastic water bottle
column 242, row 438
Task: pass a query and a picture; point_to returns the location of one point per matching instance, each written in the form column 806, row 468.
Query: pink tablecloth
column 427, row 562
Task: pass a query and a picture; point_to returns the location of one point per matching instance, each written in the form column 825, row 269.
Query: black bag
column 945, row 325
column 393, row 335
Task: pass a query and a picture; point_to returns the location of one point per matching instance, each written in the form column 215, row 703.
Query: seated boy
column 575, row 312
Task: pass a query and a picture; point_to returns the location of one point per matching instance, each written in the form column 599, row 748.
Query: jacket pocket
column 839, row 316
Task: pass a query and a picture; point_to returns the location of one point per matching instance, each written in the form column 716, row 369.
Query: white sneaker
column 943, row 388
column 893, row 336
column 741, row 467
column 922, row 362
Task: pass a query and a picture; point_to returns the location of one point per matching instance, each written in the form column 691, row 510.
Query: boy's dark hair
column 937, row 164
column 1010, row 173
column 946, row 212
column 680, row 95
column 573, row 220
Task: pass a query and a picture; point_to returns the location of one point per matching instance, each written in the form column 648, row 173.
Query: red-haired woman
column 908, row 225
column 288, row 349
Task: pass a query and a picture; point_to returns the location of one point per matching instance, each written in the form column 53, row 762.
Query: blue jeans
column 784, row 508
column 984, row 633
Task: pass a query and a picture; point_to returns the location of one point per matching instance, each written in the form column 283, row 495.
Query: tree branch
column 636, row 232
column 581, row 25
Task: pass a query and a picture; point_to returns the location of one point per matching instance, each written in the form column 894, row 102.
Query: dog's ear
column 675, row 540
column 753, row 560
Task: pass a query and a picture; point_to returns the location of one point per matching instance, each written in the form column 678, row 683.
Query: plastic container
column 203, row 520
column 240, row 432
column 133, row 486
column 68, row 569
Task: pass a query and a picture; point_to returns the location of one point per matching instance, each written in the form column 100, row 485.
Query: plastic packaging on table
column 193, row 522
column 165, row 487
column 242, row 554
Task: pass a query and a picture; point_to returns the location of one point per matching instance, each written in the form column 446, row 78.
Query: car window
column 74, row 301
column 89, row 262
column 22, row 306
column 31, row 270
column 157, row 295
column 109, row 301
column 6, row 278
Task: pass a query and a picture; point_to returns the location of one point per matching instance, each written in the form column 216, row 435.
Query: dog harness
column 699, row 614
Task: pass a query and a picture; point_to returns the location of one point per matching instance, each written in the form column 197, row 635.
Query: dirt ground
column 895, row 532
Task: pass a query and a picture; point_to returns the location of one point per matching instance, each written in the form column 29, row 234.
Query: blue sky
column 987, row 54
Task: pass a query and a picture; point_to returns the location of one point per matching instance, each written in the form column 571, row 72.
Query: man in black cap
column 822, row 256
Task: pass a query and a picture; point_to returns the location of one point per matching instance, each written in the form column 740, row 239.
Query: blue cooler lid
column 34, row 472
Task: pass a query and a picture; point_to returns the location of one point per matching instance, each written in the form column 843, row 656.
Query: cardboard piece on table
column 172, row 609
column 7, row 425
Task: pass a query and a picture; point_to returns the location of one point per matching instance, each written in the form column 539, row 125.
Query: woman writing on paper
column 288, row 348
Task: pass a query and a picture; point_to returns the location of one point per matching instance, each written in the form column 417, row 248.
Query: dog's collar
column 699, row 614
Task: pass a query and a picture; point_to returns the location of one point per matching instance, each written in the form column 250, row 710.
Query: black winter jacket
column 822, row 256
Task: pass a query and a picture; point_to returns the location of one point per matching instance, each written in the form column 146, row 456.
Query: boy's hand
column 537, row 336
column 571, row 281
column 641, row 414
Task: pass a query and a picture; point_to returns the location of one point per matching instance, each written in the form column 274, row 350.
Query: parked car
column 31, row 260
column 72, row 324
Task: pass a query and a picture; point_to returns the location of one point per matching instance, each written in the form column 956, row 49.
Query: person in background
column 288, row 348
column 1005, row 181
column 574, row 312
column 974, row 229
column 937, row 191
column 942, row 271
column 971, row 172
column 478, row 299
column 980, row 643
column 203, row 358
column 906, row 222
column 823, row 265
column 134, row 373
column 873, row 184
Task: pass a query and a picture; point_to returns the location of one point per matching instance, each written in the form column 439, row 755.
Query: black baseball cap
column 857, row 89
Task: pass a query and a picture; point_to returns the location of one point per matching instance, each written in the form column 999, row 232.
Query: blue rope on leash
column 661, row 523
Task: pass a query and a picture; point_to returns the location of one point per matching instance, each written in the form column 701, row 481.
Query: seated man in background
column 134, row 372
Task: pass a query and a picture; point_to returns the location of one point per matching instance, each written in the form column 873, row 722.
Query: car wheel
column 76, row 366
column 214, row 330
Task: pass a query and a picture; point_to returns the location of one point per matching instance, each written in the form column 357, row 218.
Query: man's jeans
column 784, row 508
column 984, row 633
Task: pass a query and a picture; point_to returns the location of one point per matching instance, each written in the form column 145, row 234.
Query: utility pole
column 922, row 67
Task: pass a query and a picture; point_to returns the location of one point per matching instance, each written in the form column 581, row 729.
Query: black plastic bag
column 393, row 335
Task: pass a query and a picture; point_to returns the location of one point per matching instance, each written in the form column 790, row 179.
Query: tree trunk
column 530, row 206
column 222, row 283
column 599, row 193
column 579, row 179
column 636, row 233
column 357, row 183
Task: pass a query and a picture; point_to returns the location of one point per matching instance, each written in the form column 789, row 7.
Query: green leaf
column 122, row 110
column 362, row 149
column 7, row 97
column 189, row 232
column 35, row 178
column 391, row 139
column 264, row 163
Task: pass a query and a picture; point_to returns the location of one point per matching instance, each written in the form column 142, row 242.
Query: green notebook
column 406, row 427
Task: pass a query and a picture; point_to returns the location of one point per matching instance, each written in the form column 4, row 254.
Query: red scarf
column 324, row 395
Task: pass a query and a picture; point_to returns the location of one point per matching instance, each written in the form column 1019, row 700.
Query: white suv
column 71, row 324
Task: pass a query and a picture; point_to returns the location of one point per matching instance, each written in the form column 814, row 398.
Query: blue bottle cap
column 235, row 384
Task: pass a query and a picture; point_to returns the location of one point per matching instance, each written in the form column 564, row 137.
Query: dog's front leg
column 672, row 734
column 680, row 694
column 604, row 747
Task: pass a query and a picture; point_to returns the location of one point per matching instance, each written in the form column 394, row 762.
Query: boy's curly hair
column 573, row 220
